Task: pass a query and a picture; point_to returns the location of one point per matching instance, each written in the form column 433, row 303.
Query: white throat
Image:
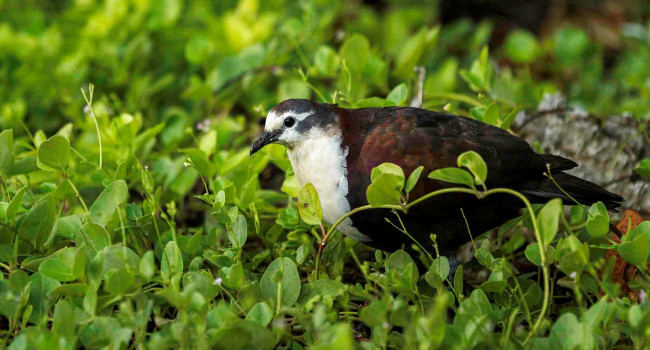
column 321, row 160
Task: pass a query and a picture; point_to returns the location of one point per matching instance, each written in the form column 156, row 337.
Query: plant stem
column 78, row 195
column 89, row 103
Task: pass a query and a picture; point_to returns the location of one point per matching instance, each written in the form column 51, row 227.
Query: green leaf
column 568, row 333
column 119, row 281
column 355, row 51
column 484, row 257
column 642, row 228
column 521, row 46
column 208, row 142
column 40, row 296
column 387, row 169
column 261, row 313
column 476, row 165
column 491, row 115
column 53, row 153
column 235, row 276
column 533, row 254
column 453, row 175
column 413, row 49
column 281, row 275
column 571, row 46
column 108, row 201
column 238, row 231
column 597, row 220
column 387, row 184
column 507, row 121
column 326, row 61
column 293, row 88
column 438, row 272
column 233, row 66
column 479, row 76
column 458, row 281
column 38, row 222
column 64, row 320
column 147, row 267
column 413, row 179
column 309, row 205
column 384, row 191
column 573, row 254
column 56, row 269
column 548, row 220
column 401, row 270
column 96, row 235
column 242, row 334
column 374, row 314
column 14, row 204
column 636, row 251
column 201, row 162
column 171, row 265
column 65, row 265
column 6, row 150
column 397, row 96
column 644, row 168
column 338, row 337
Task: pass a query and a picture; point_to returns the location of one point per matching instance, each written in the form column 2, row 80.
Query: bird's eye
column 289, row 122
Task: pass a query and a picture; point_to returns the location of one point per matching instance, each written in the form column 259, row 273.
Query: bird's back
column 412, row 137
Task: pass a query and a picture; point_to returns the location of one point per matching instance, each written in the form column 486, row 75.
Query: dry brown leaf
column 624, row 272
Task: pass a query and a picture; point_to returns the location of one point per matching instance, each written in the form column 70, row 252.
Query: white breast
column 321, row 160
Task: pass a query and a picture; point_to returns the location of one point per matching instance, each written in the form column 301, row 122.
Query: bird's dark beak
column 265, row 139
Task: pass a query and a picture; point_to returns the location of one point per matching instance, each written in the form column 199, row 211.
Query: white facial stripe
column 274, row 121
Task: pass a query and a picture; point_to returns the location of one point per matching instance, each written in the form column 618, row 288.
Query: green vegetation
column 131, row 215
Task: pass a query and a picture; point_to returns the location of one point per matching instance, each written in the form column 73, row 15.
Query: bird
column 335, row 149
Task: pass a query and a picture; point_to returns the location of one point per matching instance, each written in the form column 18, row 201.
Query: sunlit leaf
column 476, row 165
column 309, row 205
column 453, row 175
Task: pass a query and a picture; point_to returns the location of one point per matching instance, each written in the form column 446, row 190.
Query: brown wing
column 411, row 137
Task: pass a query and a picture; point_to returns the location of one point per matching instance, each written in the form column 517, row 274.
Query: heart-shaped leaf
column 597, row 220
column 53, row 153
column 281, row 276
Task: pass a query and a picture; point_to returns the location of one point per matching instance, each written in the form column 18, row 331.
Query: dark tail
column 583, row 191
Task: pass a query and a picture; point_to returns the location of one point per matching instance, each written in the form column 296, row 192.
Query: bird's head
column 293, row 121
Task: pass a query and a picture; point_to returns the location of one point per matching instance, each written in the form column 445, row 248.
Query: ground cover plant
column 131, row 215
